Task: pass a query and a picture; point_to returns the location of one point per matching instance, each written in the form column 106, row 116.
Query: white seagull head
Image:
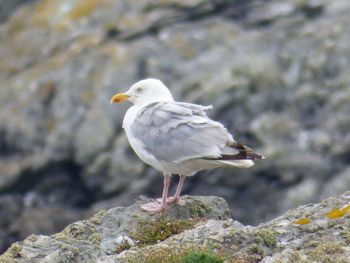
column 144, row 92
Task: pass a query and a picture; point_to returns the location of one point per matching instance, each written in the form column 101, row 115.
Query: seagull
column 177, row 138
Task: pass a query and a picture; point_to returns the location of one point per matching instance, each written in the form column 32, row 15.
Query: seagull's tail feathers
column 243, row 157
column 238, row 163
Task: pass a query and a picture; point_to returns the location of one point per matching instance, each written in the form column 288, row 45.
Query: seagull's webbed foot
column 170, row 200
column 159, row 206
column 153, row 207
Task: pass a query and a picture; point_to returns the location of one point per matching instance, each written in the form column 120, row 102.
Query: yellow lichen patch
column 44, row 6
column 337, row 213
column 45, row 12
column 88, row 96
column 60, row 13
column 83, row 9
column 346, row 208
column 302, row 221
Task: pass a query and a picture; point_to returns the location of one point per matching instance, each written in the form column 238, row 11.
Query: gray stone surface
column 7, row 7
column 310, row 233
column 93, row 239
column 277, row 73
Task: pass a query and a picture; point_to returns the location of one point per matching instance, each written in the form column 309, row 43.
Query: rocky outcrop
column 277, row 73
column 196, row 226
column 113, row 231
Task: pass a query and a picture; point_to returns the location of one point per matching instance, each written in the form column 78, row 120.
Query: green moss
column 125, row 245
column 15, row 250
column 59, row 236
column 328, row 252
column 75, row 230
column 309, row 244
column 11, row 254
column 79, row 231
column 161, row 228
column 252, row 253
column 7, row 258
column 266, row 237
column 69, row 251
column 256, row 250
column 98, row 217
column 95, row 238
column 227, row 212
column 200, row 210
column 332, row 248
column 294, row 256
column 202, row 257
column 32, row 238
column 345, row 233
column 171, row 253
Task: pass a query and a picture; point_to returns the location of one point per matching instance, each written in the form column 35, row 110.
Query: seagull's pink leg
column 155, row 206
column 177, row 194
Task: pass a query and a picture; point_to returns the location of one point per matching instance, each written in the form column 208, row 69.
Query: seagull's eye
column 139, row 89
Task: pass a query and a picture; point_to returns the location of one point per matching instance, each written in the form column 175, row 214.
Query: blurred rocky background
column 277, row 73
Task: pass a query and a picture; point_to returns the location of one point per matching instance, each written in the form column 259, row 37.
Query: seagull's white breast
column 135, row 143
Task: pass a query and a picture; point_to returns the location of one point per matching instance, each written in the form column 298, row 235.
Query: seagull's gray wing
column 175, row 132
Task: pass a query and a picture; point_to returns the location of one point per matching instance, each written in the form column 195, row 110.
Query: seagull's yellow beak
column 119, row 97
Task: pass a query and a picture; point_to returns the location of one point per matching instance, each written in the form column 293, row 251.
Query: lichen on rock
column 179, row 235
column 116, row 230
column 276, row 72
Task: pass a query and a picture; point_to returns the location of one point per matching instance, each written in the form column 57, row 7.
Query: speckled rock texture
column 308, row 234
column 277, row 73
column 7, row 7
column 108, row 231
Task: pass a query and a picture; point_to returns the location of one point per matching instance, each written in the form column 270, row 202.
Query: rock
column 113, row 231
column 310, row 233
column 8, row 7
column 276, row 72
column 23, row 217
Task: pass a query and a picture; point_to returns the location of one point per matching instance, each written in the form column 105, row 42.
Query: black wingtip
column 245, row 153
column 254, row 156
